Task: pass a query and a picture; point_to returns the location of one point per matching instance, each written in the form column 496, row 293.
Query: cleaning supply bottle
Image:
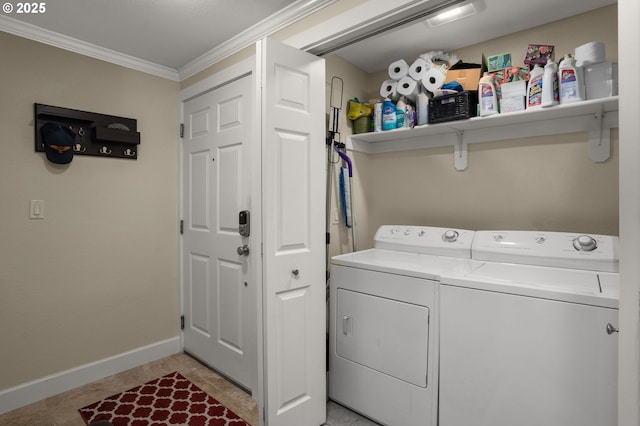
column 388, row 115
column 571, row 82
column 409, row 117
column 488, row 98
column 422, row 101
column 534, row 88
column 377, row 117
column 550, row 89
column 401, row 108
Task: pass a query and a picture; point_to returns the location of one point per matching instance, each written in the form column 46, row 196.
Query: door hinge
column 181, row 227
column 182, row 322
column 182, row 130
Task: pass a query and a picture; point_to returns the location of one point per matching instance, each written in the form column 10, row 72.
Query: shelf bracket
column 599, row 138
column 460, row 151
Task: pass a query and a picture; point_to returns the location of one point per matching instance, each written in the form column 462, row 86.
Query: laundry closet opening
column 522, row 170
column 522, row 176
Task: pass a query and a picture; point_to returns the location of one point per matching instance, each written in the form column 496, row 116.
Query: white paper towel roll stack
column 409, row 88
column 389, row 89
column 398, row 69
column 433, row 79
column 419, row 68
column 590, row 53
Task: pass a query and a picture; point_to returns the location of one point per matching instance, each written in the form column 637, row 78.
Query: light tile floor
column 62, row 409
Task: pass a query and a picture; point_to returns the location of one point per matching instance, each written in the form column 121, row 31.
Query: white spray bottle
column 550, row 89
column 571, row 83
column 488, row 98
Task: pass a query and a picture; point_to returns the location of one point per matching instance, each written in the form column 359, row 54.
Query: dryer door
column 386, row 335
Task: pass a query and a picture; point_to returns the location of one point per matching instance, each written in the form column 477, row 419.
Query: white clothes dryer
column 528, row 337
column 383, row 338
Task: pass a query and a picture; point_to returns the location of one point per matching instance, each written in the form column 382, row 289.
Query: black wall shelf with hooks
column 96, row 134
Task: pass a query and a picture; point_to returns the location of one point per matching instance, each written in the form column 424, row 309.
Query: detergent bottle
column 488, row 98
column 534, row 88
column 388, row 115
column 550, row 89
column 571, row 83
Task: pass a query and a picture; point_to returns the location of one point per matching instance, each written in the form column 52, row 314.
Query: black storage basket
column 457, row 106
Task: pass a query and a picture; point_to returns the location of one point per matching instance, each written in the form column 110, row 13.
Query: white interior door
column 293, row 103
column 219, row 285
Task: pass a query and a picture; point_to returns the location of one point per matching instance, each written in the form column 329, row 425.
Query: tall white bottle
column 534, row 88
column 488, row 98
column 571, row 81
column 422, row 106
column 550, row 88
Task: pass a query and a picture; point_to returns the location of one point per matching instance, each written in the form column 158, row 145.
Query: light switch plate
column 36, row 209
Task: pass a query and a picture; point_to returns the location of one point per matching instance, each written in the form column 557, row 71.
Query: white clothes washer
column 528, row 337
column 383, row 355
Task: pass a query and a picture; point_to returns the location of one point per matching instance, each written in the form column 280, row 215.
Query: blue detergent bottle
column 388, row 115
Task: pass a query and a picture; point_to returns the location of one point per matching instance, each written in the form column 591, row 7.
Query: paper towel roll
column 590, row 53
column 389, row 89
column 398, row 69
column 433, row 80
column 419, row 68
column 408, row 88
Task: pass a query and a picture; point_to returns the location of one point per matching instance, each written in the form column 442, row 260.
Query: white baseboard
column 45, row 387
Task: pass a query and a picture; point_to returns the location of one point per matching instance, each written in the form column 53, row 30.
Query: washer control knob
column 584, row 243
column 450, row 236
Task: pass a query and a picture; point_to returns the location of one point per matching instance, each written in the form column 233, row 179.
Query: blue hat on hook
column 58, row 143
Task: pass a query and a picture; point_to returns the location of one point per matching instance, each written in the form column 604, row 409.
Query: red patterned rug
column 169, row 400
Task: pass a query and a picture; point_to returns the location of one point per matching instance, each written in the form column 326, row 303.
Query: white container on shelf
column 571, row 81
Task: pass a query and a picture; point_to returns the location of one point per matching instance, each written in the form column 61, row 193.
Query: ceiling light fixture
column 451, row 15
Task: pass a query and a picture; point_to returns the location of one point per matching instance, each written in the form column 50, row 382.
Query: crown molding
column 294, row 12
column 32, row 32
column 287, row 16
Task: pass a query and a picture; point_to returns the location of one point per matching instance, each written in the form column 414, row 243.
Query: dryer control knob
column 450, row 236
column 585, row 243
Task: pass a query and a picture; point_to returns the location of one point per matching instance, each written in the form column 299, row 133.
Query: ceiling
column 170, row 33
column 174, row 33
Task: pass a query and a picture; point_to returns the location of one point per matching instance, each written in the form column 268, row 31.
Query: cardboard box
column 601, row 80
column 538, row 54
column 498, row 62
column 468, row 77
column 514, row 89
column 512, row 104
column 513, row 96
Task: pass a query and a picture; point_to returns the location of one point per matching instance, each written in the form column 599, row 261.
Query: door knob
column 611, row 329
column 295, row 272
column 243, row 250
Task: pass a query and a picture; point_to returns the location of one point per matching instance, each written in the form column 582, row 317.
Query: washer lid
column 569, row 285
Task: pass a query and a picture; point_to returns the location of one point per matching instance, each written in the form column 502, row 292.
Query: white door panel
column 293, row 221
column 219, row 285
